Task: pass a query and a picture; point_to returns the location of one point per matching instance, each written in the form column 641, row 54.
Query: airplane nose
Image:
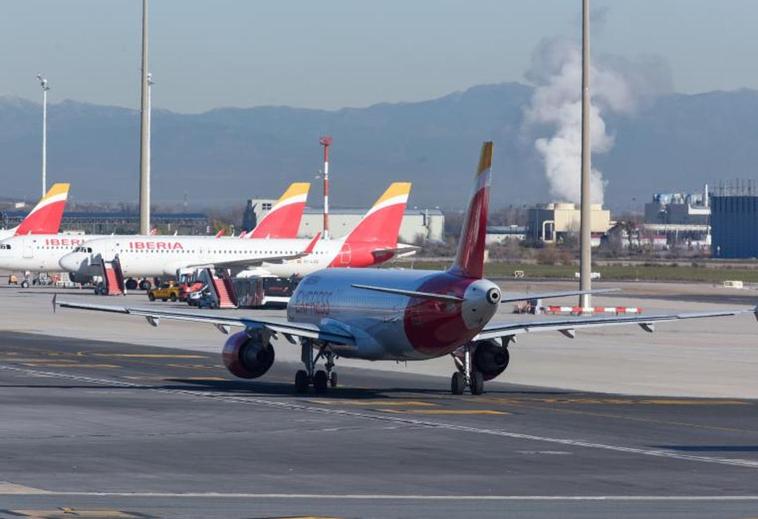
column 70, row 262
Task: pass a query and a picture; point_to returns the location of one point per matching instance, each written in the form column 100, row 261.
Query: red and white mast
column 326, row 141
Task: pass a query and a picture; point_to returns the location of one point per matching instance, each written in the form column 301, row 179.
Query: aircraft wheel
column 458, row 383
column 477, row 383
column 333, row 379
column 320, row 381
column 301, row 381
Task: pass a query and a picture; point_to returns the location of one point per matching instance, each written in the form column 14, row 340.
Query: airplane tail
column 283, row 221
column 381, row 224
column 46, row 216
column 469, row 261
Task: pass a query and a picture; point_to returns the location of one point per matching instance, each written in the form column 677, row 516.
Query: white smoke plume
column 617, row 85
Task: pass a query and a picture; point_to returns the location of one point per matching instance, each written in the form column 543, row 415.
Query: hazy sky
column 334, row 53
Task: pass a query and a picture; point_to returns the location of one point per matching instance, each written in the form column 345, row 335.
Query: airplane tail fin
column 45, row 217
column 469, row 261
column 283, row 221
column 381, row 224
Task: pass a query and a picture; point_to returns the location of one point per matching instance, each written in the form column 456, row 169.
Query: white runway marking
column 379, row 497
column 658, row 453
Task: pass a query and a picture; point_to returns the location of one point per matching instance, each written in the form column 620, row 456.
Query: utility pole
column 326, row 141
column 585, row 232
column 144, row 179
column 45, row 87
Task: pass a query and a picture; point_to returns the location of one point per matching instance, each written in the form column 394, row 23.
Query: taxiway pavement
column 115, row 429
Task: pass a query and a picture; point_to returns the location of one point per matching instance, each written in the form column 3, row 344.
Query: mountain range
column 675, row 142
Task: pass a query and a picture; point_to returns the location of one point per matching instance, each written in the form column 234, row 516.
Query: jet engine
column 248, row 354
column 490, row 359
column 79, row 278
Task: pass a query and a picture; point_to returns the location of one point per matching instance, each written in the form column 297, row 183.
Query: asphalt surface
column 117, row 430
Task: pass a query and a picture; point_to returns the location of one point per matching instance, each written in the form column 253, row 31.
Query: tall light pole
column 144, row 177
column 585, row 231
column 45, row 87
column 326, row 141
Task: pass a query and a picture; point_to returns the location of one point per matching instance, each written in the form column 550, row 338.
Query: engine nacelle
column 248, row 354
column 79, row 278
column 490, row 359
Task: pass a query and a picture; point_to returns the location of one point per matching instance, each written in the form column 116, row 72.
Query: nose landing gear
column 321, row 379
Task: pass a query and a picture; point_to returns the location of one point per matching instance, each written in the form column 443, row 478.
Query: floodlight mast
column 144, row 191
column 45, row 87
column 326, row 141
column 585, row 231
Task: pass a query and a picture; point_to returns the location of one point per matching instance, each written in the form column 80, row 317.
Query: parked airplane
column 383, row 314
column 371, row 242
column 45, row 217
column 42, row 251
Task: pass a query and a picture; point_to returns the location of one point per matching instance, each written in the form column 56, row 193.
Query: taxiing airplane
column 371, row 242
column 387, row 314
column 42, row 251
column 45, row 217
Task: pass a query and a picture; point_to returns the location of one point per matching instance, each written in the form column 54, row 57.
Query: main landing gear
column 466, row 376
column 321, row 379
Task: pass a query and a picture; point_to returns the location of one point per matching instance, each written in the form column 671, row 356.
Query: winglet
column 312, row 244
column 469, row 261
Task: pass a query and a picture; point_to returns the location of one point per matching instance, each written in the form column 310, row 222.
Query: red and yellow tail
column 469, row 262
column 46, row 216
column 381, row 224
column 283, row 220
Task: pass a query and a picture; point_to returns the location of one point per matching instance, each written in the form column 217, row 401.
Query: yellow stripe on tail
column 396, row 189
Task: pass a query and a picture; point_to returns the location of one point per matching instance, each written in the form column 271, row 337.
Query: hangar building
column 418, row 224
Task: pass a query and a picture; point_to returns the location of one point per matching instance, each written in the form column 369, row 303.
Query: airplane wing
column 553, row 295
column 568, row 326
column 255, row 261
column 221, row 322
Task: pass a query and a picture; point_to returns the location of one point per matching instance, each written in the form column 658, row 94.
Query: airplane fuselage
column 142, row 256
column 390, row 326
column 38, row 252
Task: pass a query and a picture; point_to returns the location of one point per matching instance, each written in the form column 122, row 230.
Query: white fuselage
column 145, row 256
column 38, row 252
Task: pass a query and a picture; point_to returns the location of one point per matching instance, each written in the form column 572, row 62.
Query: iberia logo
column 63, row 242
column 155, row 245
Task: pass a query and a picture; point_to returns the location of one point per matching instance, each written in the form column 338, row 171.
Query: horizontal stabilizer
column 553, row 295
column 400, row 251
column 411, row 293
